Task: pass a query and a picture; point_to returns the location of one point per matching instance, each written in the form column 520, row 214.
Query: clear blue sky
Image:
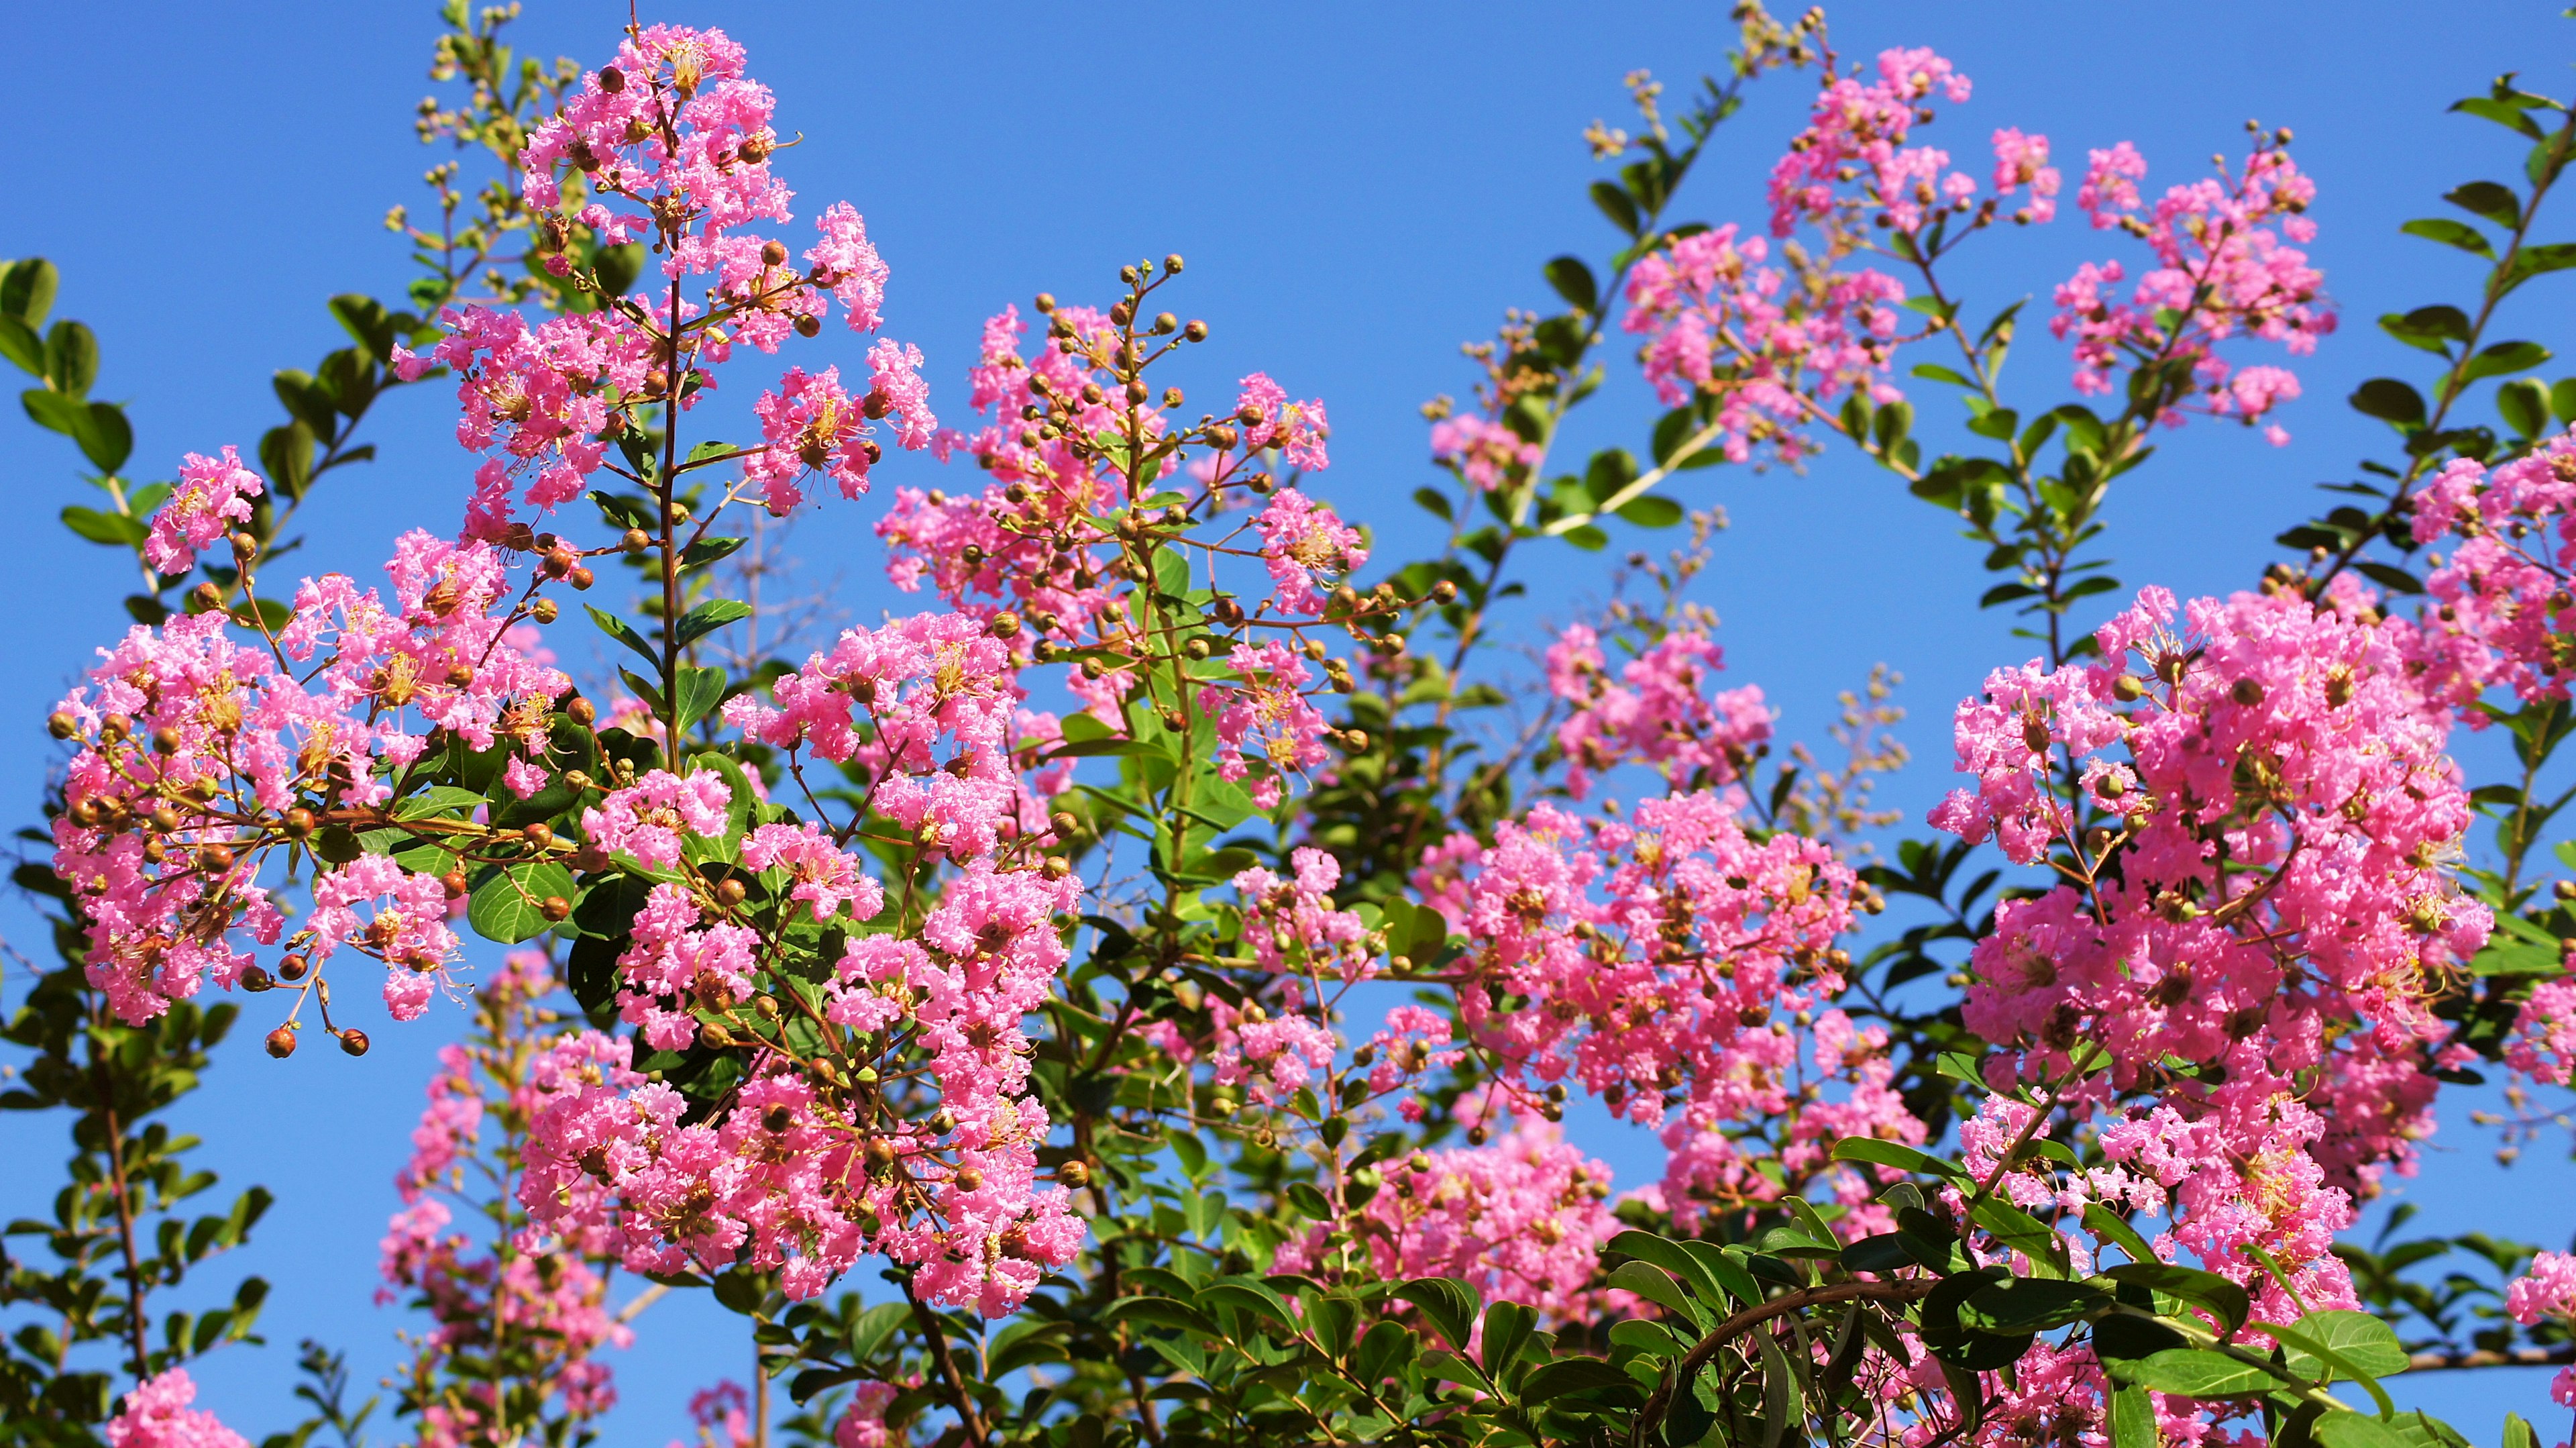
column 1358, row 188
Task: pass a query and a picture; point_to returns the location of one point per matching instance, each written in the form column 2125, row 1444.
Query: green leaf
column 1436, row 503
column 1565, row 1375
column 1573, row 281
column 2030, row 1304
column 624, row 632
column 103, row 527
column 2199, row 1373
column 2389, row 400
column 1650, row 511
column 2428, row 328
column 1653, row 1284
column 27, row 291
column 2518, row 1433
column 2361, row 1339
column 1587, row 537
column 1448, row 1302
column 2523, row 403
column 2451, row 233
column 506, row 907
column 2133, row 1419
column 2106, row 1226
column 2202, row 1289
column 1616, row 205
column 1895, row 1154
column 709, row 550
column 71, row 358
column 2485, row 198
column 2503, row 113
column 2532, row 261
column 2505, row 357
column 1507, row 1330
column 709, row 616
column 105, row 437
column 2358, row 1430
column 20, row 344
column 304, row 401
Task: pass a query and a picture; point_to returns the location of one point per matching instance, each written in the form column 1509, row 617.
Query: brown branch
column 2520, row 1357
column 937, row 1337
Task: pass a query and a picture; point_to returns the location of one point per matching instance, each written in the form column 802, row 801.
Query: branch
column 2520, row 1357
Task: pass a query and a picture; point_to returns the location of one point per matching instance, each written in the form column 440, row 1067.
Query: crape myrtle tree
column 1185, row 1063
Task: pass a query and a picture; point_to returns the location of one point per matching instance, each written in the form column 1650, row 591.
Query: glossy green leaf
column 507, row 907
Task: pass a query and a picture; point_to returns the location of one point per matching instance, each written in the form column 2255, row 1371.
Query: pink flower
column 1300, row 541
column 213, row 494
column 156, row 1415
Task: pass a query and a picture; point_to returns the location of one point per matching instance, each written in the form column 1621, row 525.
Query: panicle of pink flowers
column 539, row 1294
column 790, row 1177
column 1034, row 542
column 1522, row 1218
column 1485, row 452
column 1857, row 129
column 2282, row 807
column 1293, row 924
column 1768, row 344
column 1267, row 702
column 2220, row 271
column 2543, row 1043
column 672, row 143
column 721, row 1416
column 1659, row 711
column 201, row 757
column 1655, row 961
column 2547, row 1289
column 1302, row 540
column 2502, row 613
column 862, row 1424
column 156, row 1415
column 212, row 495
column 2021, row 161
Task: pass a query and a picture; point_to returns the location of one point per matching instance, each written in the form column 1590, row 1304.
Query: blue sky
column 1358, row 189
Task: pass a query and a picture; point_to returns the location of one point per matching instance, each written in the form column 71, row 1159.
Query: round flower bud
column 291, row 967
column 730, row 893
column 611, row 79
column 453, row 882
column 581, row 578
column 773, row 254
column 969, row 1179
column 281, row 1042
column 257, row 979
column 555, row 908
column 1073, row 1174
column 165, row 740
column 539, row 836
column 354, row 1041
column 61, row 725
column 581, row 710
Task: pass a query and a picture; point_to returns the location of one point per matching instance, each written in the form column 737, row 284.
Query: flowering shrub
column 1150, row 948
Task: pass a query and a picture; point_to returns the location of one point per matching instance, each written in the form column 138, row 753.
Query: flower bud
column 257, row 979
column 544, row 610
column 635, row 540
column 281, row 1042
column 555, row 908
column 291, row 966
column 730, row 893
column 214, row 857
column 968, row 1179
column 1056, row 867
column 354, row 1041
column 297, row 823
column 1073, row 1174
column 461, row 677
column 2128, row 688
column 1003, row 625
column 1172, row 264
column 454, row 883
column 539, row 836
column 2248, row 692
column 773, row 254
column 61, row 724
column 165, row 740
column 581, row 710
column 581, row 578
column 611, row 79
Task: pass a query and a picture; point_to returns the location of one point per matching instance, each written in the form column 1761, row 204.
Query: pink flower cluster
column 1302, row 540
column 201, row 757
column 156, row 1415
column 2502, row 613
column 1485, row 452
column 2267, row 900
column 1861, row 126
column 1294, row 926
column 1659, row 711
column 1656, row 962
column 213, row 494
column 676, row 131
column 810, row 1167
column 2220, row 270
column 1769, row 344
column 1267, row 702
column 1520, row 1219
